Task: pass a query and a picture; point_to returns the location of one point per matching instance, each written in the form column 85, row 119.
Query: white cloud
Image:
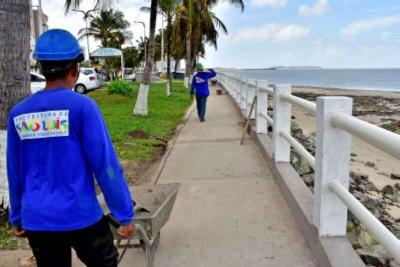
column 369, row 25
column 319, row 8
column 268, row 3
column 271, row 32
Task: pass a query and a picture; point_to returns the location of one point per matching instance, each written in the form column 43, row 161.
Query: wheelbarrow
column 153, row 209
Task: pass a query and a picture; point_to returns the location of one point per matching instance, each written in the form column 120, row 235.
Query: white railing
column 331, row 163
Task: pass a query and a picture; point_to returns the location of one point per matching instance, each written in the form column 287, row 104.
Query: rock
column 358, row 194
column 388, row 190
column 352, row 233
column 395, row 176
column 299, row 164
column 396, row 186
column 391, row 192
column 373, row 206
column 358, row 176
column 362, row 187
column 308, row 179
column 393, row 263
column 375, row 255
column 370, row 186
column 370, row 164
column 353, row 154
column 383, row 173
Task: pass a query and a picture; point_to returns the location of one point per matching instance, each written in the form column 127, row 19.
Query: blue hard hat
column 57, row 45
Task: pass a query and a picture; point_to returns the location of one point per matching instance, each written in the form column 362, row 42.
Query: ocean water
column 367, row 79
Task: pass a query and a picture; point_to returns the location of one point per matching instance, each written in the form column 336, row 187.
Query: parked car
column 38, row 82
column 88, row 80
column 129, row 74
column 178, row 75
column 102, row 75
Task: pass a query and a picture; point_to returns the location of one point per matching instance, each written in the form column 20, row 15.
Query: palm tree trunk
column 177, row 62
column 141, row 101
column 14, row 68
column 169, row 26
column 188, row 57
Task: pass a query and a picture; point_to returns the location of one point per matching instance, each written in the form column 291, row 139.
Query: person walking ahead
column 200, row 85
column 57, row 141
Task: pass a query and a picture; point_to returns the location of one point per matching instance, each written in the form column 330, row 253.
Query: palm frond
column 218, row 23
column 237, row 3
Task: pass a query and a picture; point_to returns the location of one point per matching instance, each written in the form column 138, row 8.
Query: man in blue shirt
column 57, row 141
column 200, row 85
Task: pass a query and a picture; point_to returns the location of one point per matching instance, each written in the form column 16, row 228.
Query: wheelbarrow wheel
column 155, row 244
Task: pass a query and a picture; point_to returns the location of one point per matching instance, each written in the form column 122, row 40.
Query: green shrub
column 120, row 87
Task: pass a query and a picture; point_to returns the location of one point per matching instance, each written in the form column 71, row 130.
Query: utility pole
column 86, row 15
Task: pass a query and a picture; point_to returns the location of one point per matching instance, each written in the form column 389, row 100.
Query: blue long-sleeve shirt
column 200, row 82
column 57, row 141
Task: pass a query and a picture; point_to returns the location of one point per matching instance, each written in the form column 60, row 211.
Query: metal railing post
column 332, row 156
column 261, row 107
column 282, row 120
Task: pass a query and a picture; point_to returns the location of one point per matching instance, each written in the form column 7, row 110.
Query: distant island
column 286, row 68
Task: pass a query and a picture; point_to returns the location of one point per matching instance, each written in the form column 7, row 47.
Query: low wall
column 328, row 251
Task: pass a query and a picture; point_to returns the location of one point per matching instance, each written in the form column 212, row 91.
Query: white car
column 38, row 82
column 88, row 80
column 129, row 74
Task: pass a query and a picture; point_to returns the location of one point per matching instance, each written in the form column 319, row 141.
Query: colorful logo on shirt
column 199, row 80
column 45, row 124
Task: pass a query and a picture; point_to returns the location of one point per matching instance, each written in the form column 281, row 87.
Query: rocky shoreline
column 382, row 197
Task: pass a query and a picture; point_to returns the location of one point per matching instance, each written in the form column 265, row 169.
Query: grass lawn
column 136, row 138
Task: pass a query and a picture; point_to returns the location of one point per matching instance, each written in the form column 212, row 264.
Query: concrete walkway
column 229, row 211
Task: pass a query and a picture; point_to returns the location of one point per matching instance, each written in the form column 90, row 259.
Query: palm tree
column 131, row 57
column 109, row 27
column 14, row 68
column 201, row 25
column 141, row 101
column 168, row 8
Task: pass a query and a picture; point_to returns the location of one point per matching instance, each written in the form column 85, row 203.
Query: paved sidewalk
column 229, row 211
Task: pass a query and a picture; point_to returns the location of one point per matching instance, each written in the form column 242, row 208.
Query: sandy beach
column 377, row 107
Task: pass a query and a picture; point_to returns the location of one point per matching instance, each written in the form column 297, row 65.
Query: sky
column 326, row 33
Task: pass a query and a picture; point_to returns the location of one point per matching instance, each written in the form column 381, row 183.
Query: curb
column 171, row 143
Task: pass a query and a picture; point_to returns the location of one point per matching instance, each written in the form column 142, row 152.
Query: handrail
column 373, row 225
column 267, row 117
column 299, row 149
column 377, row 136
column 383, row 139
column 268, row 90
column 308, row 105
